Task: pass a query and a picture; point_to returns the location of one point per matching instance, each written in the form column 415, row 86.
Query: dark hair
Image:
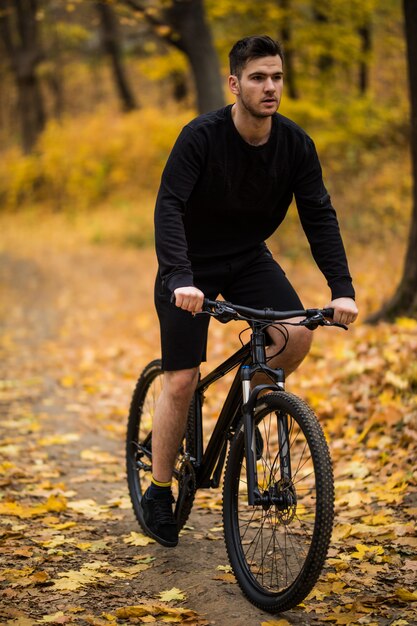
column 252, row 47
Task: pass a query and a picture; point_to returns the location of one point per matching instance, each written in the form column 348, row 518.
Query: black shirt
column 220, row 197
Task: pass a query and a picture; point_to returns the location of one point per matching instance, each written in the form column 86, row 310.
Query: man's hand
column 189, row 298
column 345, row 310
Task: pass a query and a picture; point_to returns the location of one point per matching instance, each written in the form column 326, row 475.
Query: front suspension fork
column 248, row 411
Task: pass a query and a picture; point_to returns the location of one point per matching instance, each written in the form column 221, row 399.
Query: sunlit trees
column 184, row 25
column 404, row 301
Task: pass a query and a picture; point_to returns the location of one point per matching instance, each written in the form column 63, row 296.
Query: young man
column 226, row 188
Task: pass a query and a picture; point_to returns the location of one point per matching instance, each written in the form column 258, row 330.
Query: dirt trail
column 78, row 325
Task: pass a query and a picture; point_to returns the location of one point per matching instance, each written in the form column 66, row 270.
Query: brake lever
column 318, row 320
column 223, row 313
column 338, row 324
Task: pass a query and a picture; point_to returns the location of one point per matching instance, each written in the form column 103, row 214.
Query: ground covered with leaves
column 77, row 327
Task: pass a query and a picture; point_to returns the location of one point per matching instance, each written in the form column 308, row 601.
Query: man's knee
column 298, row 345
column 301, row 341
column 182, row 383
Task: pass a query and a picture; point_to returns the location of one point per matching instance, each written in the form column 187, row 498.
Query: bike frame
column 240, row 401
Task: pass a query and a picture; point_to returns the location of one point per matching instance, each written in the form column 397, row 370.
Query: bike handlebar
column 264, row 314
column 226, row 312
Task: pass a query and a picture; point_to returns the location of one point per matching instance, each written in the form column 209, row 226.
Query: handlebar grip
column 328, row 313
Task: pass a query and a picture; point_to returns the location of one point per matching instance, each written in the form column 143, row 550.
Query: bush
column 81, row 161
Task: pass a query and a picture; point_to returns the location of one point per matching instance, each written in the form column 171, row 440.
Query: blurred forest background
column 92, row 97
column 94, row 93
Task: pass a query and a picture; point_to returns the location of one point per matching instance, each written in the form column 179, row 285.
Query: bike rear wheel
column 139, row 447
column 277, row 550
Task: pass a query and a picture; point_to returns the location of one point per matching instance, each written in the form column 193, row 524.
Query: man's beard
column 253, row 111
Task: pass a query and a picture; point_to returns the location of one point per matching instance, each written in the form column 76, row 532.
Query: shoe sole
column 148, row 531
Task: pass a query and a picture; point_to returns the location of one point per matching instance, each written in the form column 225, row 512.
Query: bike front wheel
column 277, row 549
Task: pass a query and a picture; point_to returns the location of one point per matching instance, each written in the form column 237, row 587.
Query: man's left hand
column 345, row 310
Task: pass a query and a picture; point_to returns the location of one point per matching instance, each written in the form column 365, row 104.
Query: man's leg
column 258, row 281
column 170, row 420
column 298, row 346
column 168, row 429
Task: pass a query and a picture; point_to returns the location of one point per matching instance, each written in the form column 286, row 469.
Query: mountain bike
column 278, row 490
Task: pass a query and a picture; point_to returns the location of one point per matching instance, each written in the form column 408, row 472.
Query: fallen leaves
column 162, row 611
column 171, row 594
column 74, row 579
column 138, row 539
column 68, row 536
column 53, row 504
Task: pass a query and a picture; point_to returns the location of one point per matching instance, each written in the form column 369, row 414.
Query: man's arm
column 321, row 227
column 178, row 180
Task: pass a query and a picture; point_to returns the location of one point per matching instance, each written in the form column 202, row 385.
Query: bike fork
column 249, row 431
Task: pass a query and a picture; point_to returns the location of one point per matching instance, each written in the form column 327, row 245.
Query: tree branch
column 165, row 30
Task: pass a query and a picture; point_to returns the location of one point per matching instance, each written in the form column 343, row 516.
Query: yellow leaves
column 131, row 571
column 341, row 531
column 89, row 508
column 56, row 618
column 378, row 519
column 25, row 577
column 369, row 553
column 138, row 539
column 339, row 617
column 53, row 504
column 98, row 456
column 225, row 578
column 74, row 579
column 55, row 440
column 164, row 612
column 67, row 382
column 324, row 590
column 353, row 499
column 172, row 594
column 406, row 323
column 395, row 380
column 276, row 622
column 405, row 595
column 224, row 568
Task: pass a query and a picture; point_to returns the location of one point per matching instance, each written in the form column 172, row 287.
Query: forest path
column 78, row 326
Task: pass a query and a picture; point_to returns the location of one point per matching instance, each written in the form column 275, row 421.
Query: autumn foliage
column 78, row 324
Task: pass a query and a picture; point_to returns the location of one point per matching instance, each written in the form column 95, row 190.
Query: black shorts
column 253, row 280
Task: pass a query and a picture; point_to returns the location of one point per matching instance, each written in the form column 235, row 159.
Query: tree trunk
column 326, row 60
column 187, row 18
column 286, row 39
column 19, row 33
column 364, row 33
column 111, row 44
column 404, row 301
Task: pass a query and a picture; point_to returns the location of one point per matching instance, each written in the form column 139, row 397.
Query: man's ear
column 234, row 85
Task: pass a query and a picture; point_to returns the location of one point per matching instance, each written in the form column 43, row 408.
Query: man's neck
column 254, row 130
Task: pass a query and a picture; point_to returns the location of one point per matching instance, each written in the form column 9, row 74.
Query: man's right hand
column 189, row 298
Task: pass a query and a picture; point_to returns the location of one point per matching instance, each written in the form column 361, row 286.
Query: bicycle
column 278, row 490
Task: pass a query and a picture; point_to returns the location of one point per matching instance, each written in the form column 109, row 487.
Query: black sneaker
column 157, row 520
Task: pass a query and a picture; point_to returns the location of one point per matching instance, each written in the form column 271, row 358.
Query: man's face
column 259, row 89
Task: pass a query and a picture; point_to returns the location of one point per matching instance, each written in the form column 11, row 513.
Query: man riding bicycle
column 226, row 187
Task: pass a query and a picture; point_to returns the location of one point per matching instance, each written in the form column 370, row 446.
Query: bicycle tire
column 277, row 553
column 139, row 444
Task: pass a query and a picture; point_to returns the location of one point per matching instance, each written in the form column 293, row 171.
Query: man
column 226, row 187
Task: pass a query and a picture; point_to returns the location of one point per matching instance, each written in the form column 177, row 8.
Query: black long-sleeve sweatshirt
column 220, row 197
